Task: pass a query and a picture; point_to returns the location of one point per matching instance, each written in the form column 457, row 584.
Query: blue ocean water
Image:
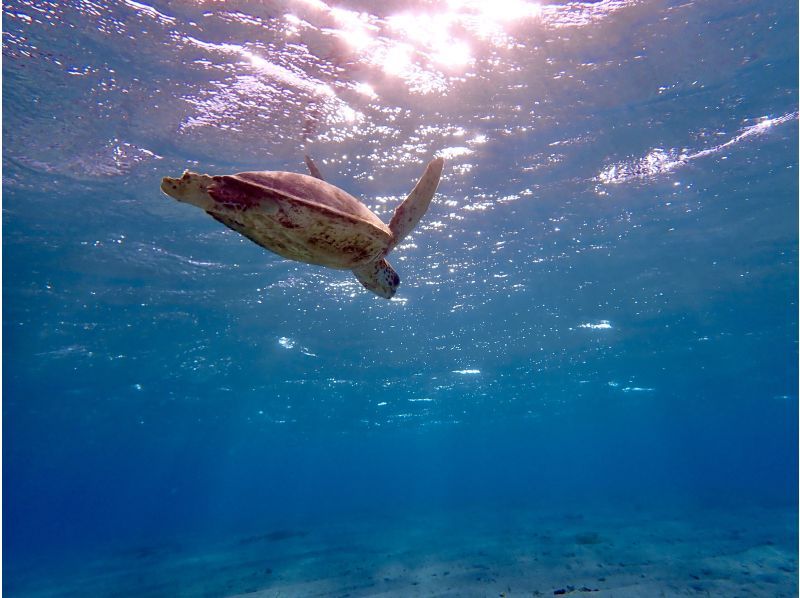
column 591, row 362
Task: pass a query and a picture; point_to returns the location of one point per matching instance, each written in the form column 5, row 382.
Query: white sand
column 746, row 553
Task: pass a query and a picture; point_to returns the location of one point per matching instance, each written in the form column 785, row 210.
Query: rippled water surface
column 600, row 303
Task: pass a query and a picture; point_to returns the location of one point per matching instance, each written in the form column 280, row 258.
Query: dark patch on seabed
column 274, row 536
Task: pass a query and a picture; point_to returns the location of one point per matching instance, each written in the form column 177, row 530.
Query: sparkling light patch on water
column 659, row 161
column 601, row 325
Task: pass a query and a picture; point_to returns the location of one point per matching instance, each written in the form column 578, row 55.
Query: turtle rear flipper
column 410, row 212
column 379, row 277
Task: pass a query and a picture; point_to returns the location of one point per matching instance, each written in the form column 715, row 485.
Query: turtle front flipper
column 410, row 212
column 379, row 277
column 312, row 168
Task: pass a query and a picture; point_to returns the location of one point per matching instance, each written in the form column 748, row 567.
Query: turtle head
column 379, row 277
column 191, row 188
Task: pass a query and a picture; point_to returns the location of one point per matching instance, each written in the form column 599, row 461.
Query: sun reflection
column 453, row 55
column 347, row 114
column 365, row 89
column 318, row 4
column 356, row 29
column 421, row 29
column 498, row 10
column 432, row 33
column 396, row 59
column 423, row 48
column 431, row 48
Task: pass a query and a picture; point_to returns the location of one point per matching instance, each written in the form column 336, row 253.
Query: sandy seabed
column 510, row 552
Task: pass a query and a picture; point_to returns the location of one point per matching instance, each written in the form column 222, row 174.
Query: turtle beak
column 169, row 186
column 176, row 188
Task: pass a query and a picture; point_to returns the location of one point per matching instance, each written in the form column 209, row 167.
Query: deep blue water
column 598, row 311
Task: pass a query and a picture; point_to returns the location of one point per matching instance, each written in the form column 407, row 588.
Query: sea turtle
column 304, row 218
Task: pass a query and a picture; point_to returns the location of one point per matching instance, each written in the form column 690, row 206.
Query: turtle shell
column 300, row 217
